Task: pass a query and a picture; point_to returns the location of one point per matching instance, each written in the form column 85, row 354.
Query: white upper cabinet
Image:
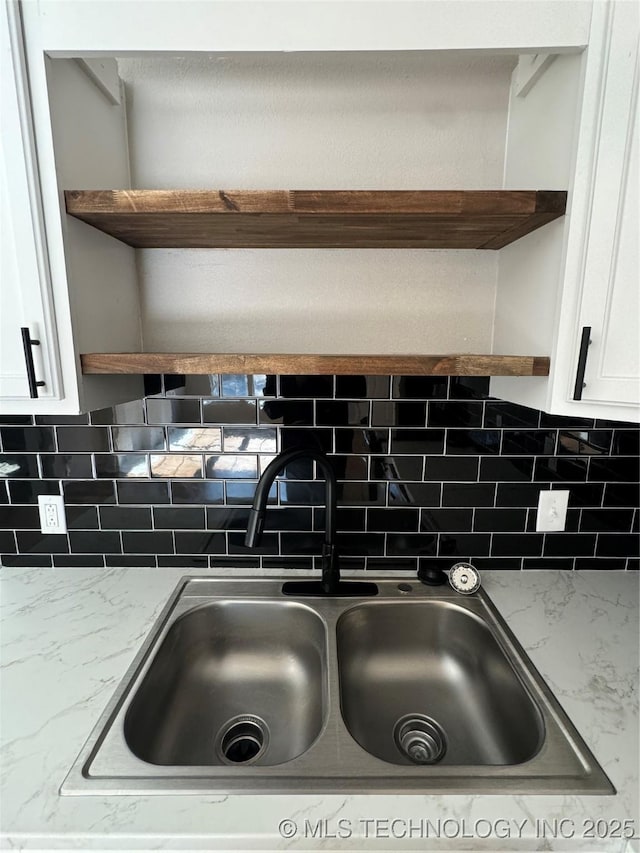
column 25, row 300
column 579, row 298
column 469, row 95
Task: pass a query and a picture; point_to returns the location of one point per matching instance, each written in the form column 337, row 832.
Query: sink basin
column 406, row 661
column 232, row 682
column 241, row 688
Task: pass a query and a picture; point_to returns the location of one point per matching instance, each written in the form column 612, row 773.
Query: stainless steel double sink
column 417, row 689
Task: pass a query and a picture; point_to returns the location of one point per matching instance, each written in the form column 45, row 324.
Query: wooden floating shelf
column 421, row 219
column 302, row 364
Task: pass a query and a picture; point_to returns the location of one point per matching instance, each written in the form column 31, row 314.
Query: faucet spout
column 330, row 560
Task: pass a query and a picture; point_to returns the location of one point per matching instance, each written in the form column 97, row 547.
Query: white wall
column 325, row 121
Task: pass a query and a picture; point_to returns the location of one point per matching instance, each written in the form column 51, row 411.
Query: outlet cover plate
column 552, row 510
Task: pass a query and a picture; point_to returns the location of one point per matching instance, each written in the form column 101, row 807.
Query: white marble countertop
column 67, row 637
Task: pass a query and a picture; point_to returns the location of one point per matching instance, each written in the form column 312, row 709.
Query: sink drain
column 420, row 738
column 242, row 740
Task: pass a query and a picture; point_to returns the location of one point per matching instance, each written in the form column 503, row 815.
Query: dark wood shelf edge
column 304, row 364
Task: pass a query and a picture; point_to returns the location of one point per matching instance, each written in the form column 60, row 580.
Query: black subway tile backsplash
column 428, row 468
column 125, row 518
column 29, row 439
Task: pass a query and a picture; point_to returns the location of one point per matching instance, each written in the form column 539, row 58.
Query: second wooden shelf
column 420, row 219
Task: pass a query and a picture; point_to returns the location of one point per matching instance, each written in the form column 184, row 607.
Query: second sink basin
column 426, row 682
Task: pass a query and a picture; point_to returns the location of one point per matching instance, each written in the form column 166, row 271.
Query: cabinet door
column 610, row 303
column 24, row 282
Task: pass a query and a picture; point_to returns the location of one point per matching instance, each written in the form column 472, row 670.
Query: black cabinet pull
column 27, row 343
column 585, row 340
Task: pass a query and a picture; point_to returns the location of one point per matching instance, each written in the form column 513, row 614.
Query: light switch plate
column 552, row 510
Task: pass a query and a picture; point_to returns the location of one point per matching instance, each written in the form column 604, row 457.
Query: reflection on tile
column 239, row 492
column 194, row 492
column 66, row 466
column 79, row 439
column 362, row 440
column 350, row 467
column 455, row 414
column 299, row 493
column 259, row 440
column 193, row 386
column 301, row 469
column 361, row 494
column 121, row 465
column 179, row 465
column 17, row 466
column 138, row 438
column 229, row 411
column 342, row 412
column 584, row 442
column 401, row 414
column 230, row 466
column 565, row 421
column 536, row 441
column 195, row 438
column 253, row 385
column 173, row 411
column 409, row 544
column 179, row 517
column 124, row 413
column 288, row 412
column 32, row 439
column 421, row 387
column 366, row 387
column 468, row 387
column 626, row 442
column 397, row 467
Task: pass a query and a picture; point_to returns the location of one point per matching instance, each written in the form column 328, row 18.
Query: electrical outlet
column 552, row 510
column 52, row 515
